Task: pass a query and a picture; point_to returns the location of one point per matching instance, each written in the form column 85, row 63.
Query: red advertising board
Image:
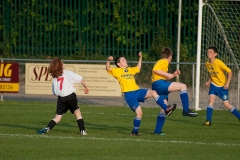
column 9, row 77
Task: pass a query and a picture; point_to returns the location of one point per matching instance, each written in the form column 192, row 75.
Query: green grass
column 109, row 128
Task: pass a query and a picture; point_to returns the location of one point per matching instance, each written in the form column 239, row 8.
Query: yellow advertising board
column 100, row 83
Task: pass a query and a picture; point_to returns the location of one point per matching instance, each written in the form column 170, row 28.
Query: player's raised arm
column 139, row 65
column 109, row 59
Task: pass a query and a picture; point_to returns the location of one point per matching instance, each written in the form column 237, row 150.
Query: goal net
column 221, row 28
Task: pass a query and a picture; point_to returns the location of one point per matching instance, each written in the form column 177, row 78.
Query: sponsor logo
column 38, row 73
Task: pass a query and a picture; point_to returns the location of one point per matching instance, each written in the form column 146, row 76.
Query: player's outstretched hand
column 110, row 58
column 140, row 54
column 86, row 90
column 176, row 73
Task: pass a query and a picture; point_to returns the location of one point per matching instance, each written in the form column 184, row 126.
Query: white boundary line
column 118, row 139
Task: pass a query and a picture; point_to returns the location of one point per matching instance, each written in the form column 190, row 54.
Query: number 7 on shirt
column 61, row 82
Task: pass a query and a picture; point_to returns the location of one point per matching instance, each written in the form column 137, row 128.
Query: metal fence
column 143, row 79
column 87, row 27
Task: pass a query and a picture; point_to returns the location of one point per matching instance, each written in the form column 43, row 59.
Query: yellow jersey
column 217, row 71
column 125, row 77
column 162, row 65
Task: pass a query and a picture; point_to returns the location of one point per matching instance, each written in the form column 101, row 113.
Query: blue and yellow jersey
column 162, row 65
column 217, row 69
column 125, row 78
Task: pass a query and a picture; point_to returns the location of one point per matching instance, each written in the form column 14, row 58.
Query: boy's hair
column 214, row 49
column 166, row 52
column 56, row 67
column 117, row 60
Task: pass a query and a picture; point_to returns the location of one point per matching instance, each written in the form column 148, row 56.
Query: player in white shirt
column 63, row 87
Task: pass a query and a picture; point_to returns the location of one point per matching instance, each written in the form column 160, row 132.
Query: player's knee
column 153, row 93
column 184, row 86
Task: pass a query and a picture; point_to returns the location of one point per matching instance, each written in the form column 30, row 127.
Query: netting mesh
column 220, row 28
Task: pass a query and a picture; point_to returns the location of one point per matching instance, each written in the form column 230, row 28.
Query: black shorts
column 67, row 103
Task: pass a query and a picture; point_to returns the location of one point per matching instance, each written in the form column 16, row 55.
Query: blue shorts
column 134, row 97
column 161, row 87
column 218, row 91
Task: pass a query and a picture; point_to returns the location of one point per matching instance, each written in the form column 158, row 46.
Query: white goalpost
column 219, row 26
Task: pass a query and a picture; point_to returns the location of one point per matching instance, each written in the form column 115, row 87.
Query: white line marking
column 119, row 139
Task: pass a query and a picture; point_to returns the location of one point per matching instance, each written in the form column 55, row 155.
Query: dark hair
column 117, row 60
column 56, row 67
column 213, row 48
column 166, row 52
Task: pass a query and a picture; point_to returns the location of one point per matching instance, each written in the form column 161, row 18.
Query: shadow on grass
column 17, row 126
column 100, row 127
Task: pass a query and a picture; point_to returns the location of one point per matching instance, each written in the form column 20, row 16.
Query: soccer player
column 63, row 87
column 132, row 93
column 162, row 85
column 218, row 84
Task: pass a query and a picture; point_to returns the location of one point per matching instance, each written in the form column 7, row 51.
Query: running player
column 218, row 84
column 63, row 87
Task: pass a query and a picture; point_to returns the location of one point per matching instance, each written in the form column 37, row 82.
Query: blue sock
column 160, row 122
column 209, row 113
column 160, row 101
column 136, row 124
column 184, row 99
column 235, row 112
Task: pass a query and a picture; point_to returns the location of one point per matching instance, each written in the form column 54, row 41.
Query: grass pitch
column 108, row 134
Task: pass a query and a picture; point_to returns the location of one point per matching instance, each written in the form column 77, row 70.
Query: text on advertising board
column 9, row 77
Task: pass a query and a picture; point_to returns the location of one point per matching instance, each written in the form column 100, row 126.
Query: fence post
column 179, row 36
column 199, row 38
